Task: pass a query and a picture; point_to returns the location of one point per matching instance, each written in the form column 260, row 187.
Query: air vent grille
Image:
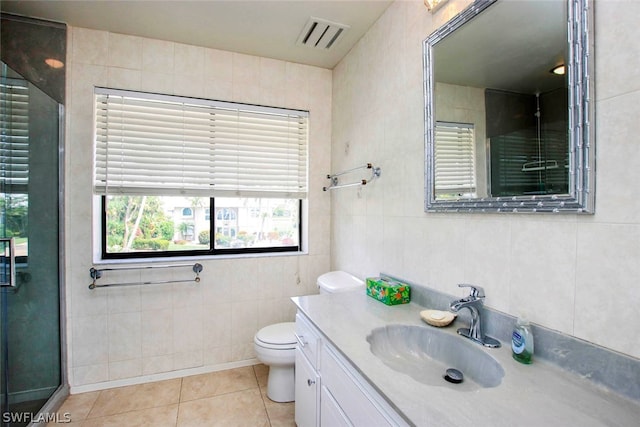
column 321, row 34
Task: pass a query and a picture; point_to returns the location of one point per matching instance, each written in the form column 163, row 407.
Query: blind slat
column 14, row 135
column 454, row 159
column 177, row 146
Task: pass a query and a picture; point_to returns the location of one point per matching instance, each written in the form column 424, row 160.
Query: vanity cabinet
column 329, row 390
column 307, row 379
column 307, row 397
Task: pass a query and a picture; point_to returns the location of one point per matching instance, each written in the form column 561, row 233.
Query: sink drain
column 454, row 376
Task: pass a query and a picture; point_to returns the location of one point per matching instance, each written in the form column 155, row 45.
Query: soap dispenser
column 522, row 342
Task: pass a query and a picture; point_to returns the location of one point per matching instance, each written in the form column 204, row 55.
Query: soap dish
column 437, row 318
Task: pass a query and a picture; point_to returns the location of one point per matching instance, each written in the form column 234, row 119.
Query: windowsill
column 194, row 259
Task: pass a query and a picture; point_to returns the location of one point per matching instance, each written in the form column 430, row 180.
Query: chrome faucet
column 474, row 303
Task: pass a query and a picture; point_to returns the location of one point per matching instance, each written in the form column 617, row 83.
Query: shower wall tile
column 189, row 60
column 125, row 336
column 123, row 300
column 616, row 48
column 90, row 46
column 157, row 332
column 130, row 333
column 157, row 364
column 125, row 51
column 272, row 81
column 218, row 65
column 123, row 78
column 218, row 89
column 157, row 56
column 188, row 359
column 607, row 285
column 90, row 340
column 617, row 149
column 125, row 369
column 91, row 374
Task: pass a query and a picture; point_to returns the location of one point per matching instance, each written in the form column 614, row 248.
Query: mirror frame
column 580, row 71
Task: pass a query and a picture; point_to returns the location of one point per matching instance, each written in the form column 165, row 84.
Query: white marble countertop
column 539, row 394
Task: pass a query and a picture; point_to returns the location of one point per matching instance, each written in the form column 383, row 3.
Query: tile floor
column 236, row 397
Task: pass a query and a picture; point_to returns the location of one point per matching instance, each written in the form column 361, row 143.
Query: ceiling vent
column 321, row 34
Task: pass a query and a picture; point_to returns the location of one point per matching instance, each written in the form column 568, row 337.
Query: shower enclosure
column 30, row 281
column 528, row 142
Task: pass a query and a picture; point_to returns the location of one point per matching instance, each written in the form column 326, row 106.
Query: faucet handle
column 476, row 291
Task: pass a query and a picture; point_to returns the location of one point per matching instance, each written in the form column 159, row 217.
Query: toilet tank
column 338, row 281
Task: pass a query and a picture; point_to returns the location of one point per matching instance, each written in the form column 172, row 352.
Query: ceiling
column 479, row 56
column 267, row 28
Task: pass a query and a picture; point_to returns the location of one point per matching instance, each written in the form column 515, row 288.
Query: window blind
column 14, row 135
column 454, row 159
column 167, row 145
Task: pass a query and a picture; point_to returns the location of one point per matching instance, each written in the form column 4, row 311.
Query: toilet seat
column 280, row 336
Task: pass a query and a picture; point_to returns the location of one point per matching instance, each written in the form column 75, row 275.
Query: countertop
column 539, row 394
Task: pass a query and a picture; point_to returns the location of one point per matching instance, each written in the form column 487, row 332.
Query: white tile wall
column 124, row 333
column 576, row 274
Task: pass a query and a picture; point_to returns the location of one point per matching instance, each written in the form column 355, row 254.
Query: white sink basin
column 425, row 353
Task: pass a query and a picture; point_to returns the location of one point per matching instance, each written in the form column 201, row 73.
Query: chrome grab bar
column 96, row 274
column 375, row 173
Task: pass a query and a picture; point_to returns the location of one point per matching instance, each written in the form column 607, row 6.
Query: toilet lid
column 278, row 334
column 339, row 281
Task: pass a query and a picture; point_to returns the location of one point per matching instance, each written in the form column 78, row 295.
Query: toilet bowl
column 275, row 344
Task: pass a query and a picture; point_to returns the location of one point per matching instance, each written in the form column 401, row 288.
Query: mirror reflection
column 497, row 103
column 500, row 110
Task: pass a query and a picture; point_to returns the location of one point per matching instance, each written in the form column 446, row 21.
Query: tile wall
column 574, row 274
column 127, row 335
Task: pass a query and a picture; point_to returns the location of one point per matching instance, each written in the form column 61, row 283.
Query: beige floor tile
column 217, row 383
column 239, row 409
column 136, row 397
column 76, row 407
column 262, row 373
column 62, row 423
column 163, row 416
column 280, row 414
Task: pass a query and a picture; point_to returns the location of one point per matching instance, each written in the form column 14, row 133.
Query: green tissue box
column 388, row 291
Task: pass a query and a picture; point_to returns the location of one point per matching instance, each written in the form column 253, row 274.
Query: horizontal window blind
column 454, row 159
column 14, row 135
column 166, row 145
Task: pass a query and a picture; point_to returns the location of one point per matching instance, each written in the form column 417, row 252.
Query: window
column 164, row 163
column 455, row 173
column 14, row 165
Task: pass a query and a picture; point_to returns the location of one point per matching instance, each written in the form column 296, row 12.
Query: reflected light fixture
column 433, row 5
column 54, row 63
column 558, row 69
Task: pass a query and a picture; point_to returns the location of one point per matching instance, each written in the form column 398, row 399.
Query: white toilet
column 275, row 345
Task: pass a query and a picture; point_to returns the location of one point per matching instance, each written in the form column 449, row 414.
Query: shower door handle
column 8, row 264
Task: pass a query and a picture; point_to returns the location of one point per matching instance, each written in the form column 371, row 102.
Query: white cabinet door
column 357, row 404
column 330, row 413
column 307, row 392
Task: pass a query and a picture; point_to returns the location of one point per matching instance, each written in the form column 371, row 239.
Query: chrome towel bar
column 96, row 274
column 375, row 173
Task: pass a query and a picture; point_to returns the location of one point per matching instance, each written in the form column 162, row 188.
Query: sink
column 425, row 354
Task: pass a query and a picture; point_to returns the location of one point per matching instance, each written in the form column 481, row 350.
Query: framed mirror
column 509, row 109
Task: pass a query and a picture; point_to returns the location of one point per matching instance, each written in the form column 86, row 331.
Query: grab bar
column 96, row 274
column 375, row 173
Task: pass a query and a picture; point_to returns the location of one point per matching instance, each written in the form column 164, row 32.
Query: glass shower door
column 29, row 249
